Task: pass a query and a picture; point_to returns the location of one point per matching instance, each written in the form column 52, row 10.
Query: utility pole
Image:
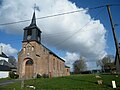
column 115, row 38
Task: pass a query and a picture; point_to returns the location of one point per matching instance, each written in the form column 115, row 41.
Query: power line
column 55, row 34
column 60, row 32
column 59, row 15
column 60, row 43
column 48, row 16
column 114, row 5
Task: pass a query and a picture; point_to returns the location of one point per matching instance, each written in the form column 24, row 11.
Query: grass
column 73, row 82
column 3, row 79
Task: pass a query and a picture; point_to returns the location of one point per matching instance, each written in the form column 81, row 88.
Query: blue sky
column 15, row 39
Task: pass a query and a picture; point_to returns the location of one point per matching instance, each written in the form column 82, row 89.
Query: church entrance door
column 29, row 69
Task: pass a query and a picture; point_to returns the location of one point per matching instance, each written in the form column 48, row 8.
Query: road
column 6, row 82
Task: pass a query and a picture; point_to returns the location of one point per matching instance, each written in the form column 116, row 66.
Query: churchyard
column 73, row 82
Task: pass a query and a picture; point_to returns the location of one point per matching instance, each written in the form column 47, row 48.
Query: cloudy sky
column 85, row 33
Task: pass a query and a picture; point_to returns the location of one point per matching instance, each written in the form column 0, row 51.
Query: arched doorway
column 29, row 68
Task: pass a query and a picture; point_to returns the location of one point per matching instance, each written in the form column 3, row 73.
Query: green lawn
column 73, row 82
column 3, row 79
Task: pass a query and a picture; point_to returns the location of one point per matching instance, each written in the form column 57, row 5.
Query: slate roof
column 33, row 24
column 4, row 68
column 67, row 66
column 3, row 55
column 5, row 63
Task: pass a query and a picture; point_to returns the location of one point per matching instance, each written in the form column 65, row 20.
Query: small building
column 4, row 71
column 3, row 56
column 34, row 58
column 4, row 65
column 95, row 71
column 67, row 71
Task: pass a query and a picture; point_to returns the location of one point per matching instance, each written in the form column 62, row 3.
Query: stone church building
column 34, row 58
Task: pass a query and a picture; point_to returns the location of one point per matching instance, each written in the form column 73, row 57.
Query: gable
column 3, row 55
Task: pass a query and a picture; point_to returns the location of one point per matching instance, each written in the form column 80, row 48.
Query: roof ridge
column 3, row 55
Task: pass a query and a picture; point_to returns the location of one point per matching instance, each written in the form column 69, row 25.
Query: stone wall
column 45, row 61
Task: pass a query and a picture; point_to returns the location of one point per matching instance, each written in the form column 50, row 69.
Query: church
column 35, row 59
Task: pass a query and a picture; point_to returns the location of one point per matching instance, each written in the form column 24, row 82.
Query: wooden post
column 114, row 35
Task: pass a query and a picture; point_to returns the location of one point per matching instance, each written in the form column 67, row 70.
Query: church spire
column 33, row 22
column 32, row 32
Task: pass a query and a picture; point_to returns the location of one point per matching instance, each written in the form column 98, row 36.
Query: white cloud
column 8, row 50
column 70, row 58
column 89, row 42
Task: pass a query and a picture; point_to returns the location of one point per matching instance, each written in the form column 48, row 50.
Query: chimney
column 1, row 50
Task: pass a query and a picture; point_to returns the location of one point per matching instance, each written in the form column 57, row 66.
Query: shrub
column 16, row 76
column 38, row 76
column 13, row 75
column 45, row 76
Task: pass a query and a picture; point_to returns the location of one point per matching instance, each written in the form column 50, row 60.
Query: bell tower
column 32, row 32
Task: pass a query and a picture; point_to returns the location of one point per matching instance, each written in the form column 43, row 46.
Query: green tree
column 106, row 63
column 79, row 65
column 12, row 61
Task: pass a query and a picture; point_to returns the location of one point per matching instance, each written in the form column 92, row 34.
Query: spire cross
column 35, row 7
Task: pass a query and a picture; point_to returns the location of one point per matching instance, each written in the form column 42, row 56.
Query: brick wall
column 44, row 61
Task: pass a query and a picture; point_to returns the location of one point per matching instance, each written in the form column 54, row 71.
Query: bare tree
column 79, row 65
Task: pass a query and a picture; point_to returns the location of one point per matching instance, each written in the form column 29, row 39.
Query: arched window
column 33, row 48
column 29, row 32
column 57, row 65
column 29, row 62
column 38, row 34
column 28, row 47
column 67, row 70
column 54, row 64
column 24, row 49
